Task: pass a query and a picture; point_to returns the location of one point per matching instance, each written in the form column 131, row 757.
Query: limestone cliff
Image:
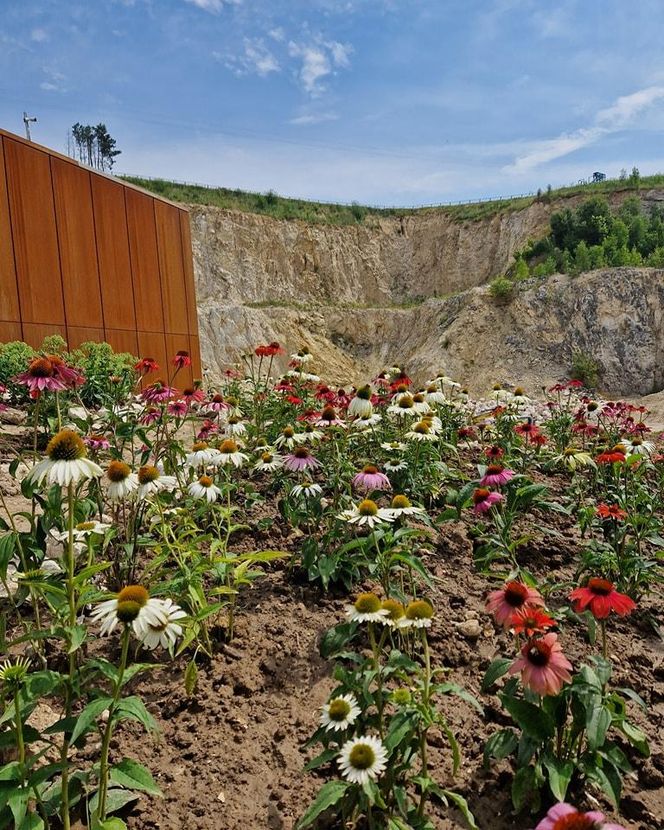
column 410, row 290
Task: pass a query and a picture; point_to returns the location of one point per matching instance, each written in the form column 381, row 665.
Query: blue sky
column 379, row 101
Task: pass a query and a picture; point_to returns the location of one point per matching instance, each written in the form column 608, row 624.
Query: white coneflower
column 302, row 357
column 420, row 403
column 201, row 455
column 121, row 481
column 269, row 462
column 394, row 466
column 234, row 427
column 435, row 396
column 403, row 407
column 205, row 488
column 310, row 433
column 307, row 490
column 366, row 608
column 401, row 506
column 366, row 421
column 418, row 614
column 151, row 481
column 421, row 431
column 361, row 406
column 229, row 453
column 434, row 422
column 164, row 631
column 66, row 461
column 574, row 458
column 340, row 713
column 132, row 604
column 288, row 438
column 366, row 513
column 82, row 530
column 396, row 613
column 394, row 446
column 362, row 760
column 637, row 446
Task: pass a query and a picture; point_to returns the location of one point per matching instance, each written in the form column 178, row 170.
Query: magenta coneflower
column 40, row 376
column 217, row 404
column 563, row 816
column 328, row 418
column 509, row 599
column 300, row 459
column 496, row 475
column 96, row 442
column 158, row 392
column 178, row 409
column 150, row 416
column 484, row 500
column 370, row 478
column 543, row 666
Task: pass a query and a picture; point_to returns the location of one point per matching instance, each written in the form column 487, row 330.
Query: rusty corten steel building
column 90, row 257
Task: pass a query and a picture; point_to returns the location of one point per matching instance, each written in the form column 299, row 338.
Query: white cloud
column 308, row 119
column 610, row 120
column 256, row 59
column 277, row 34
column 39, row 35
column 54, row 80
column 318, row 60
column 213, row 6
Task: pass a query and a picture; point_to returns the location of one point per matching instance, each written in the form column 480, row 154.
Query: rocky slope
column 411, row 290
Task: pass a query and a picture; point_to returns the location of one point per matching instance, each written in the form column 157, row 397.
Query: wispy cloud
column 256, row 59
column 55, row 81
column 318, row 60
column 311, row 118
column 610, row 120
column 38, row 35
column 213, row 6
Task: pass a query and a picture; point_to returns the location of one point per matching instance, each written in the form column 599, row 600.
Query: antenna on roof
column 27, row 119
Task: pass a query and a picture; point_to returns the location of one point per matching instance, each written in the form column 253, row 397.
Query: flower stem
column 108, row 732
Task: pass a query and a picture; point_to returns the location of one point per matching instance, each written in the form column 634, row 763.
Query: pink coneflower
column 178, row 409
column 328, row 418
column 181, row 360
column 191, row 396
column 146, row 365
column 300, row 459
column 96, row 442
column 601, row 598
column 543, row 666
column 150, row 416
column 565, row 817
column 217, row 404
column 40, row 377
column 484, row 500
column 370, row 478
column 158, row 392
column 496, row 475
column 511, row 598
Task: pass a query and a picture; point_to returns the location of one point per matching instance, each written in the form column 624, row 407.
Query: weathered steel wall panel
column 90, row 257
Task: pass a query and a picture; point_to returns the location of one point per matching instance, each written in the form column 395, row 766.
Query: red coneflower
column 613, row 456
column 506, row 601
column 565, row 817
column 531, row 620
column 543, row 666
column 494, row 452
column 146, row 365
column 528, row 430
column 181, row 359
column 193, row 395
column 606, row 511
column 601, row 598
column 466, row 432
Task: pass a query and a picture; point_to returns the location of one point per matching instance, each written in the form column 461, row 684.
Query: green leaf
column 134, row 776
column 495, row 671
column 328, row 795
column 608, row 778
column 7, row 547
column 450, row 688
column 500, row 745
column 523, row 785
column 89, row 715
column 533, row 721
column 77, row 635
column 116, row 799
column 134, row 708
column 190, row 677
column 113, row 823
column 598, row 722
column 320, row 760
column 32, row 821
column 560, row 774
column 462, row 806
column 635, row 736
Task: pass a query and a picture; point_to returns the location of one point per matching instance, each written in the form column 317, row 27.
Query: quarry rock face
column 412, row 290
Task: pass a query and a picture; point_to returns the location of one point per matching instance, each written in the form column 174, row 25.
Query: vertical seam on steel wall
column 94, row 239
column 161, row 285
column 11, row 236
column 57, row 239
column 131, row 269
column 184, row 216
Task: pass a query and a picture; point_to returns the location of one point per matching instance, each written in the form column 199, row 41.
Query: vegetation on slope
column 279, row 207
